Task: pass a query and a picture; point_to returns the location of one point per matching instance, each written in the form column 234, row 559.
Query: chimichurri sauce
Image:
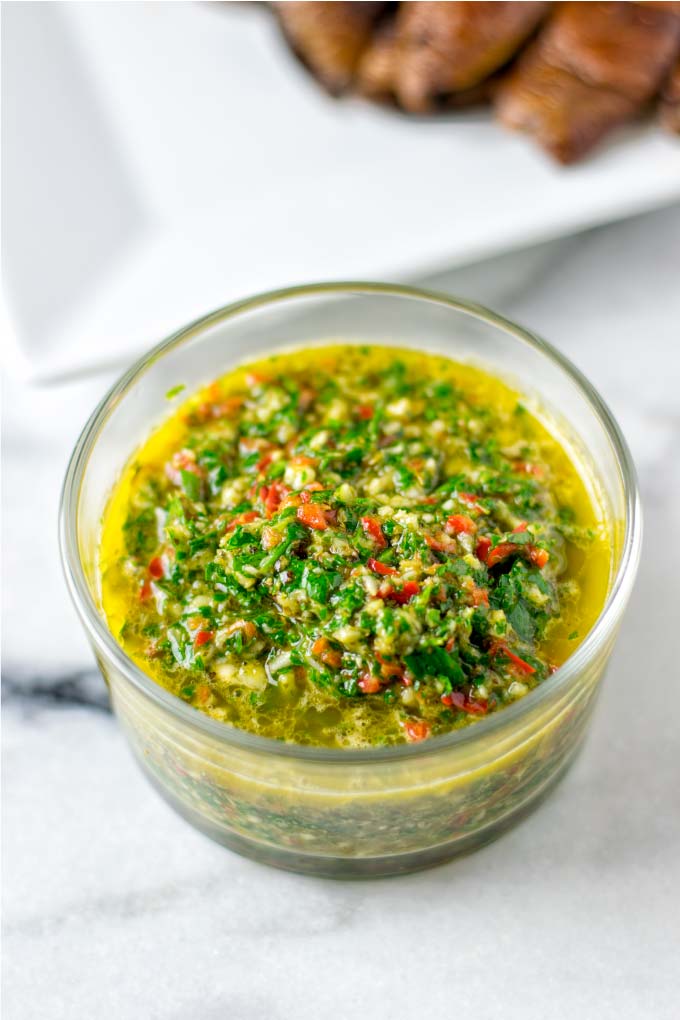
column 352, row 546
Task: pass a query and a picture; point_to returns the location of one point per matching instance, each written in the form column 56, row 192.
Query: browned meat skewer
column 377, row 75
column 593, row 67
column 669, row 107
column 377, row 69
column 436, row 50
column 329, row 38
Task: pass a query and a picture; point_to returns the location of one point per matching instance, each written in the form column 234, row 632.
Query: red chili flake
column 203, row 637
column 417, row 729
column 146, row 591
column 372, row 528
column 381, row 568
column 364, row 411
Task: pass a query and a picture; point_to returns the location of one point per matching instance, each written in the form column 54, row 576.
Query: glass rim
column 105, row 643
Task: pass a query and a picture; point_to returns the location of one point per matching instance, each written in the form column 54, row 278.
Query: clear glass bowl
column 367, row 812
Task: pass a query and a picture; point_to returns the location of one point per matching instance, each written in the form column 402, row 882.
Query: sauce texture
column 352, row 546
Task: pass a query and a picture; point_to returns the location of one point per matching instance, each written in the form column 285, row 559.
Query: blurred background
column 160, row 160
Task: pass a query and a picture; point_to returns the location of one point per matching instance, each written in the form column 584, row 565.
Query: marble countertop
column 113, row 907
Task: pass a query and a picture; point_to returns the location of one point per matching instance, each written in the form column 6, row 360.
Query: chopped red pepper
column 389, row 670
column 482, row 550
column 456, row 699
column 372, row 528
column 500, row 553
column 185, row 460
column 264, row 462
column 381, row 568
column 494, row 556
column 480, row 596
column 479, row 707
column 539, row 556
column 364, row 411
column 417, row 729
column 323, row 650
column 502, row 649
column 471, row 500
column 306, row 494
column 182, row 460
column 244, row 518
column 458, row 523
column 312, row 515
column 369, row 684
column 203, row 637
column 400, row 595
column 156, row 569
column 146, row 591
column 273, row 496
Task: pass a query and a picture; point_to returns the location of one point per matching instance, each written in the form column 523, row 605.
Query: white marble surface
column 114, row 908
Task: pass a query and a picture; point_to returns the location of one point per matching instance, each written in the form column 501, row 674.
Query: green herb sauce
column 352, row 546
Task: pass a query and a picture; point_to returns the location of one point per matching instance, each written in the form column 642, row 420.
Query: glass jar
column 383, row 810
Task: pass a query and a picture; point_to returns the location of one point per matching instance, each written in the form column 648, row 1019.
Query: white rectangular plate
column 164, row 159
